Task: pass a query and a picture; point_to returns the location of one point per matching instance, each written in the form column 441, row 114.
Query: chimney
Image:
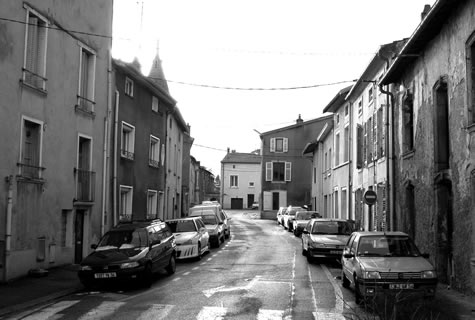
column 299, row 120
column 228, row 150
column 425, row 11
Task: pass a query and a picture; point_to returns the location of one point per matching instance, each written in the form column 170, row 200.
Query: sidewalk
column 29, row 291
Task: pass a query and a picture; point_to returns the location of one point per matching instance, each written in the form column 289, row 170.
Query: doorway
column 250, row 200
column 78, row 235
column 275, row 201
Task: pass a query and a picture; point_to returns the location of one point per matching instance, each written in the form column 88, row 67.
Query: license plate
column 105, row 275
column 401, row 286
column 336, row 252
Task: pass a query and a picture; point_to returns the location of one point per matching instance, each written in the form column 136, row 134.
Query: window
column 129, row 87
column 336, row 199
column 85, row 178
column 152, row 197
column 344, row 204
column 337, row 116
column 34, row 65
column 87, row 65
column 359, row 146
column 155, row 104
column 408, row 122
column 154, row 152
column 360, row 106
column 251, row 184
column 31, row 142
column 128, row 140
column 470, row 58
column 380, row 134
column 337, row 149
column 346, row 141
column 278, row 171
column 369, row 139
column 370, row 95
column 233, row 181
column 279, row 145
column 125, row 209
column 441, row 125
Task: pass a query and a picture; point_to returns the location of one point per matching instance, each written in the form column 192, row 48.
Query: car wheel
column 199, row 251
column 296, row 233
column 147, row 276
column 304, row 252
column 309, row 258
column 171, row 265
column 344, row 280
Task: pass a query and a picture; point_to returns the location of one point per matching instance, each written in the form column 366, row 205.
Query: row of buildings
column 88, row 140
column 403, row 134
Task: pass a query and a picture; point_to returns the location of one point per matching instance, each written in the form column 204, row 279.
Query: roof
column 337, row 100
column 313, row 145
column 297, row 125
column 131, row 71
column 236, row 157
column 429, row 28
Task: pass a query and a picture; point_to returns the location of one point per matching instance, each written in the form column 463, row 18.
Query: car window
column 389, row 246
column 123, row 239
column 209, row 219
column 305, row 215
column 354, row 244
column 186, row 225
column 332, row 227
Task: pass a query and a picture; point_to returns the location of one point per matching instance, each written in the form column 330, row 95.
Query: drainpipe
column 105, row 194
column 349, row 192
column 114, row 177
column 390, row 191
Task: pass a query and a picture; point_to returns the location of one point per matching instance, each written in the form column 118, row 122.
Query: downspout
column 350, row 162
column 114, row 177
column 8, row 227
column 105, row 193
column 390, row 192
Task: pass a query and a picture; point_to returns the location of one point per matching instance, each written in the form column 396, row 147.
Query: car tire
column 309, row 258
column 199, row 252
column 147, row 276
column 171, row 265
column 358, row 296
column 296, row 233
column 344, row 280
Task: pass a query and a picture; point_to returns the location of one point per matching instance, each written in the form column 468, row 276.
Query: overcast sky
column 212, row 51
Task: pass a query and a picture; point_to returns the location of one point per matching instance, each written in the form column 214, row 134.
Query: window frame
column 127, row 213
column 273, row 144
column 154, row 153
column 155, row 104
column 129, row 87
column 39, row 72
column 39, row 152
column 152, row 203
column 87, row 102
column 234, row 181
column 127, row 153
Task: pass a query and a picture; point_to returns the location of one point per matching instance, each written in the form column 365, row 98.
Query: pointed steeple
column 156, row 73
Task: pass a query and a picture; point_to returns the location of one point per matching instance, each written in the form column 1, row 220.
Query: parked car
column 218, row 210
column 255, row 205
column 131, row 251
column 280, row 215
column 386, row 263
column 301, row 220
column 214, row 227
column 289, row 216
column 191, row 237
column 325, row 238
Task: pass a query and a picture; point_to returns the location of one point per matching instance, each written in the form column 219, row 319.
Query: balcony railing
column 85, row 185
column 153, row 163
column 127, row 154
column 30, row 171
column 34, row 80
column 85, row 105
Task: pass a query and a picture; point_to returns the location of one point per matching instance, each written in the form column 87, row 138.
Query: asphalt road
column 259, row 273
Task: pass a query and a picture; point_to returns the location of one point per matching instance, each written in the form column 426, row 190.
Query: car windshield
column 182, row 226
column 123, row 239
column 332, row 227
column 209, row 219
column 294, row 210
column 387, row 246
column 305, row 215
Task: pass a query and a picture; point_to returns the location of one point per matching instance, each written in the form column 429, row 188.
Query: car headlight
column 429, row 274
column 128, row 265
column 371, row 275
column 316, row 245
column 86, row 268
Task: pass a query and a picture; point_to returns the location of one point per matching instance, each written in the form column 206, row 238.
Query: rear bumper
column 401, row 289
column 325, row 253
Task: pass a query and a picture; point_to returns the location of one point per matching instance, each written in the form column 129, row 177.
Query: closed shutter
column 285, row 144
column 268, row 171
column 288, row 171
column 359, row 147
column 272, row 144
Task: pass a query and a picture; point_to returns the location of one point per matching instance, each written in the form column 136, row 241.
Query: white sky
column 256, row 44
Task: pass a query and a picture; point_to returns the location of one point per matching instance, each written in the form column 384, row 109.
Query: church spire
column 156, row 72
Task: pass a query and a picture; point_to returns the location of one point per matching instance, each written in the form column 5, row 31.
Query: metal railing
column 85, row 185
column 30, row 171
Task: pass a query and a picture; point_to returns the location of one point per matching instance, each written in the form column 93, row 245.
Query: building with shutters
column 241, row 180
column 285, row 178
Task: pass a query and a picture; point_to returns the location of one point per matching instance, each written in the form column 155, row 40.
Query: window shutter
column 272, row 144
column 288, row 171
column 268, row 171
column 163, row 154
column 286, row 144
column 359, row 147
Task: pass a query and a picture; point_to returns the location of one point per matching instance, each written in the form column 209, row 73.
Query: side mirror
column 93, row 246
column 348, row 255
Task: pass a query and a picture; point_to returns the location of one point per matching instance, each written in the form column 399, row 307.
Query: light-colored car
column 255, row 205
column 191, row 237
column 301, row 220
column 280, row 215
column 325, row 238
column 218, row 210
column 289, row 216
column 378, row 264
column 214, row 227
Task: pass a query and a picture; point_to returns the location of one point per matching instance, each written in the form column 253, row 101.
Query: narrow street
column 259, row 273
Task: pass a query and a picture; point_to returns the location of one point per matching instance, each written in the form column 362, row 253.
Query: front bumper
column 187, row 251
column 108, row 276
column 403, row 289
column 328, row 253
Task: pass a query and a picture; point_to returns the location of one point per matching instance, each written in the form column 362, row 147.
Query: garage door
column 236, row 203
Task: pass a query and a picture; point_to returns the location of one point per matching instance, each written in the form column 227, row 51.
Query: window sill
column 33, row 88
column 408, row 154
column 84, row 111
column 127, row 157
column 27, row 179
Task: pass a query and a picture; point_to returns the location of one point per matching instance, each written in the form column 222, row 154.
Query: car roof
column 130, row 225
column 331, row 219
column 184, row 218
column 380, row 233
